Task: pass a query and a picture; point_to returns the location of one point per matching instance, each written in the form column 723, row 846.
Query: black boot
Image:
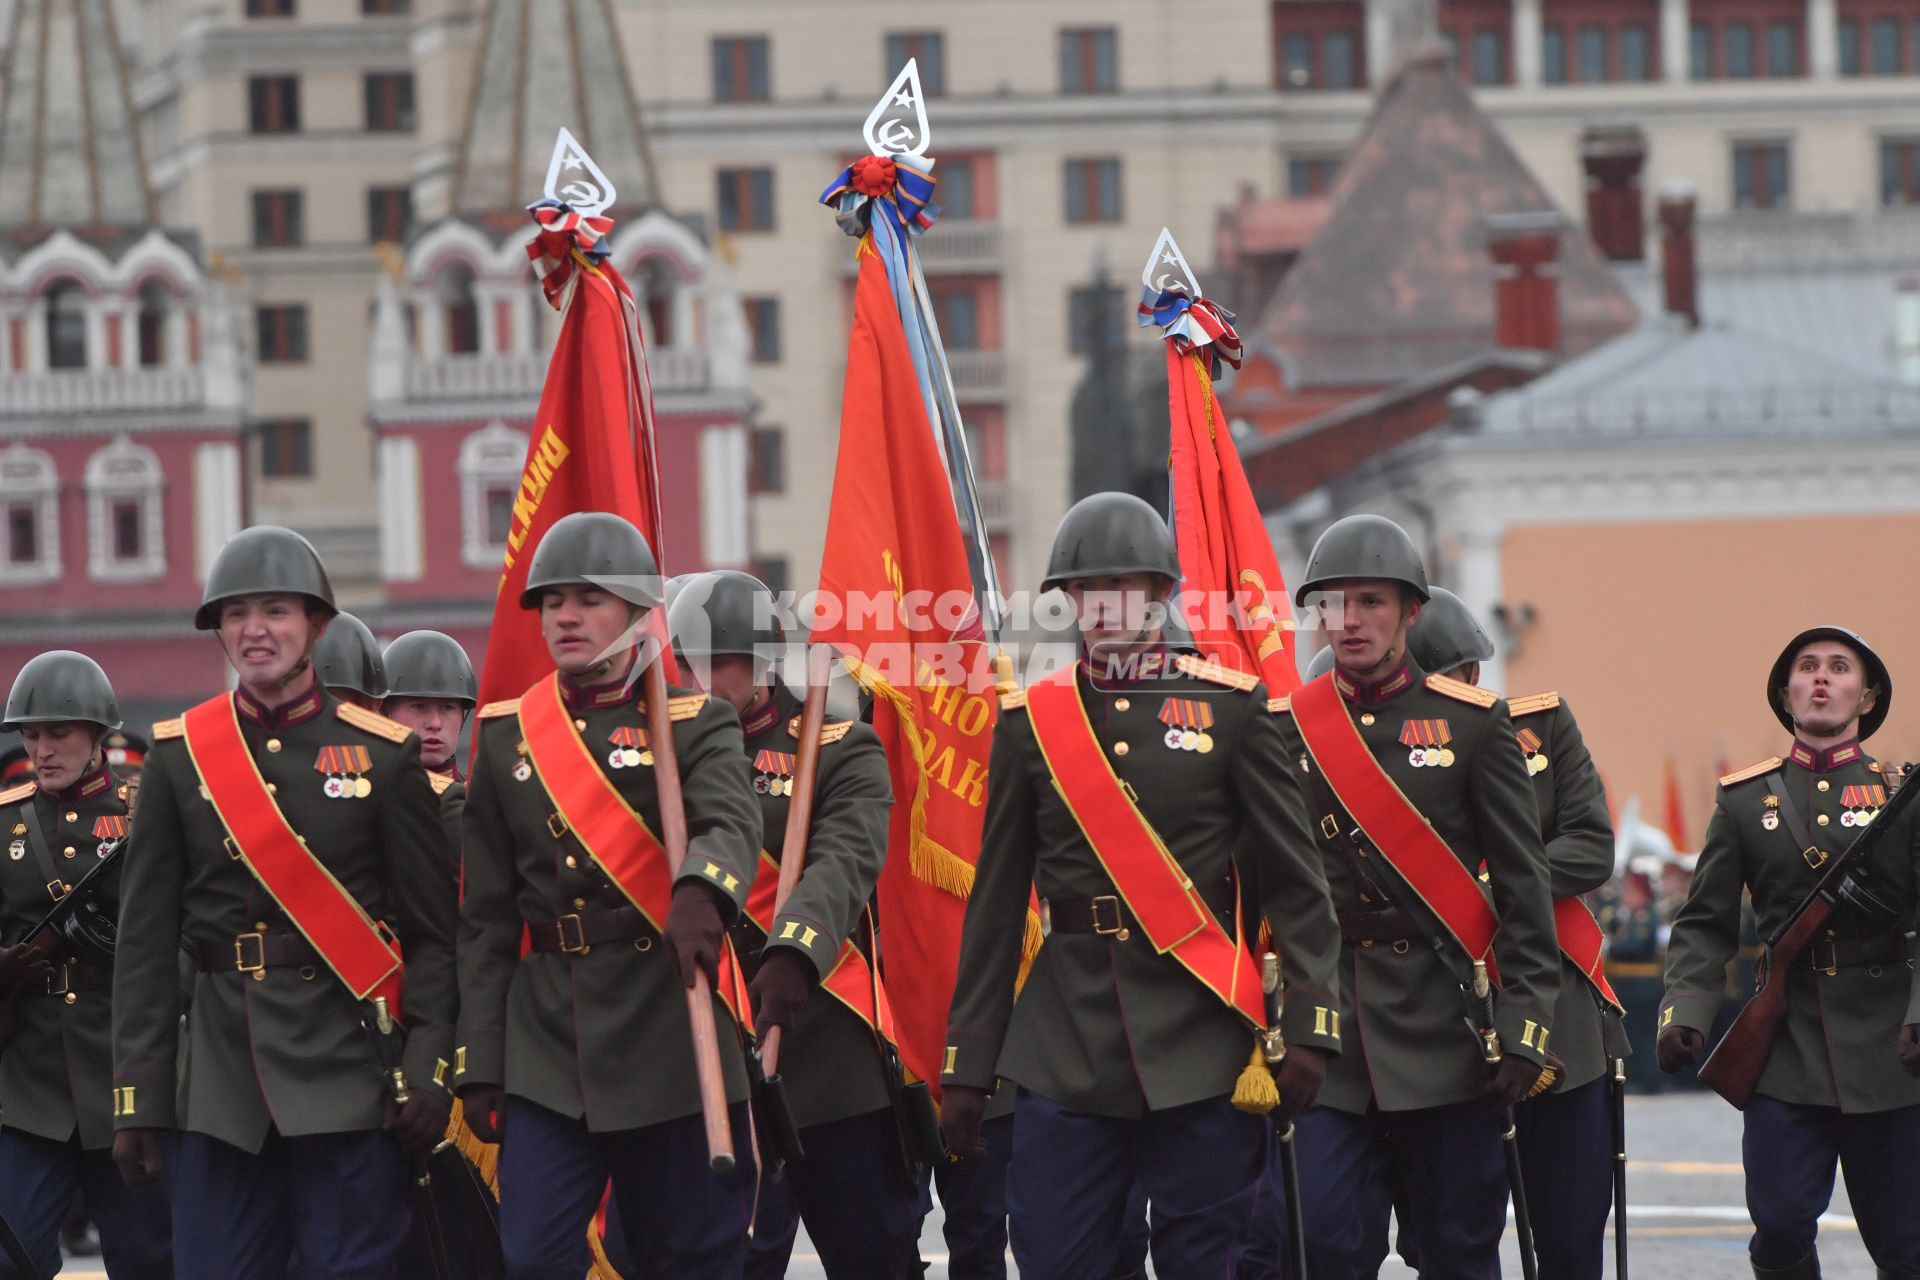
column 1808, row 1268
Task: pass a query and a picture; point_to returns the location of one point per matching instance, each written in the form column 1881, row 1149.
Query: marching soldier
column 1416, row 781
column 289, row 844
column 852, row 1188
column 1842, row 1082
column 431, row 690
column 1565, row 1134
column 347, row 659
column 581, row 1052
column 1122, row 787
column 56, row 1070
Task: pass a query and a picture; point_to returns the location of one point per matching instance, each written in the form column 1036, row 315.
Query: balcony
column 64, row 391
column 978, row 375
column 953, row 247
column 674, row 370
column 996, row 504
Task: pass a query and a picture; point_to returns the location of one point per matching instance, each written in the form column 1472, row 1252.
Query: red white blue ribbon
column 1192, row 324
column 564, row 232
column 891, row 188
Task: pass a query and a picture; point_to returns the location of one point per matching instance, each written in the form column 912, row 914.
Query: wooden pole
column 793, row 845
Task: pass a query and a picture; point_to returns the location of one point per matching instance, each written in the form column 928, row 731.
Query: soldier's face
column 588, row 630
column 60, row 752
column 265, row 636
column 1367, row 619
column 1827, row 689
column 1118, row 610
column 729, row 677
column 436, row 720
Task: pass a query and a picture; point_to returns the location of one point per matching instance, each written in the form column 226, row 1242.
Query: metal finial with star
column 897, row 126
column 1167, row 267
column 574, row 179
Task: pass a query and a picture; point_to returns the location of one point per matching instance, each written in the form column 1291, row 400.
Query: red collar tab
column 767, row 716
column 1825, row 761
column 301, row 709
column 90, row 785
column 593, row 697
column 1372, row 694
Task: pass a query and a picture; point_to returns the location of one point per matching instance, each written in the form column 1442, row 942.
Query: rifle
column 1733, row 1069
column 1275, row 1047
column 79, row 920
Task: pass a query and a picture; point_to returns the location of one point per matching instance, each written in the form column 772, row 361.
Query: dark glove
column 18, row 965
column 694, row 932
column 136, row 1152
column 420, row 1125
column 486, row 1109
column 1298, row 1077
column 783, row 984
column 1513, row 1079
column 1679, row 1048
column 961, row 1110
column 1910, row 1048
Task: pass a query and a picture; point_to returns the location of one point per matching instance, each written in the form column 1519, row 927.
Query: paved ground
column 1687, row 1217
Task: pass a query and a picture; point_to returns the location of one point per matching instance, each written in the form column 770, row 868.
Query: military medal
column 629, row 748
column 1530, row 744
column 106, row 829
column 1427, row 742
column 1770, row 812
column 17, row 850
column 1861, row 804
column 522, row 770
column 774, row 773
column 1187, row 721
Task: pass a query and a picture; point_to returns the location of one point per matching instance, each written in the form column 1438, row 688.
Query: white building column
column 37, row 335
column 175, row 355
column 431, row 318
column 1823, row 39
column 1524, row 39
column 401, row 550
column 1676, row 42
column 1477, row 580
column 1379, row 35
column 216, row 501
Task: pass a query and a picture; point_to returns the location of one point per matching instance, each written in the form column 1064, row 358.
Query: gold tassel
column 602, row 1269
column 1255, row 1092
column 484, row 1156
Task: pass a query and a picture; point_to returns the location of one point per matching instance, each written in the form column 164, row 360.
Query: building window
column 746, row 199
column 1093, row 190
column 1783, row 49
column 957, row 311
column 281, row 333
column 460, row 308
column 1489, row 63
column 66, row 326
column 273, row 104
column 278, row 221
column 389, row 214
column 928, row 49
column 767, row 461
column 286, row 448
column 1096, row 315
column 1592, row 47
column 773, row 571
column 1598, row 52
column 156, row 304
column 1636, row 54
column 125, row 526
column 1760, row 175
column 1900, row 171
column 740, row 69
column 269, row 8
column 385, row 8
column 1879, row 38
column 763, row 329
column 389, row 100
column 491, row 460
column 1553, row 55
column 1089, row 60
column 987, row 447
column 956, row 193
column 1318, row 45
column 29, row 493
column 1311, row 175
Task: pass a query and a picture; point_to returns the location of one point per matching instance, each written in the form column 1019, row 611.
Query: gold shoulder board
column 685, row 707
column 504, row 707
column 14, row 795
column 1751, row 771
column 830, row 732
column 1214, row 673
column 1461, row 691
column 1517, row 707
column 1013, row 700
column 174, row 728
column 440, row 781
column 372, row 722
column 1277, row 705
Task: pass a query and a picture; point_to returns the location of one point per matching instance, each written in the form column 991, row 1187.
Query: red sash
column 850, row 981
column 1581, row 942
column 1158, row 893
column 607, row 827
column 1398, row 830
column 259, row 836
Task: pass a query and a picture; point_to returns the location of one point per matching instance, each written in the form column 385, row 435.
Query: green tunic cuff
column 728, row 882
column 1523, row 1032
column 1695, row 1011
column 972, row 1061
column 1311, row 1018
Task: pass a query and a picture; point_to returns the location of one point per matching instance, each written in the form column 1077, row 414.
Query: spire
column 70, row 151
column 545, row 65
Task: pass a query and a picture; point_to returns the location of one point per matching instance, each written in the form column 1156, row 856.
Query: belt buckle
column 556, row 825
column 1816, row 856
column 259, row 963
column 1832, row 965
column 578, row 946
column 1119, row 926
column 1329, row 827
column 60, row 981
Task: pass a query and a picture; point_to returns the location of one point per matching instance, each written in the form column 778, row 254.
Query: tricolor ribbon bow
column 1191, row 323
column 564, row 232
column 897, row 190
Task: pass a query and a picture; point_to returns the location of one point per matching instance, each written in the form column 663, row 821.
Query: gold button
column 580, row 724
column 273, row 744
column 578, row 903
column 259, row 926
column 72, row 998
column 1822, row 819
column 72, row 816
column 1366, row 898
column 1122, row 704
column 68, row 851
column 572, row 861
column 273, row 788
column 1121, row 748
column 1824, row 785
column 643, row 944
column 1366, row 718
column 308, row 973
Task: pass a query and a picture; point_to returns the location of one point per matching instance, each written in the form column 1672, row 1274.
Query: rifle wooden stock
column 793, row 843
column 673, row 835
column 1733, row 1069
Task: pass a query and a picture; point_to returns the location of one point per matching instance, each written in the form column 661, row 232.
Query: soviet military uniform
column 589, row 1033
column 852, row 1189
column 1124, row 1061
column 1833, row 1087
column 1406, row 1101
column 452, row 792
column 56, row 1117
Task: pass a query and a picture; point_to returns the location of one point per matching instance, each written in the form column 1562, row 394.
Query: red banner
column 1225, row 553
column 895, row 570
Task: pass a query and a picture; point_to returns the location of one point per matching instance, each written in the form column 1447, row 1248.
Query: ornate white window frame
column 490, row 458
column 29, row 478
column 120, row 472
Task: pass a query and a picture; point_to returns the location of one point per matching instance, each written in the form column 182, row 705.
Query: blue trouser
column 860, row 1207
column 1790, row 1152
column 1450, row 1155
column 973, row 1201
column 336, row 1200
column 677, row 1217
column 1136, row 1235
column 1072, row 1173
column 1566, row 1157
column 39, row 1179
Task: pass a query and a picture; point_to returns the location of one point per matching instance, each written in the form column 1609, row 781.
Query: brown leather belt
column 1108, row 916
column 68, row 978
column 256, row 952
column 1830, row 955
column 573, row 934
column 1368, row 928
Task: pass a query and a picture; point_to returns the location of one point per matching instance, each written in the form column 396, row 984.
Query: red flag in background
column 896, row 565
column 1675, row 817
column 591, row 445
